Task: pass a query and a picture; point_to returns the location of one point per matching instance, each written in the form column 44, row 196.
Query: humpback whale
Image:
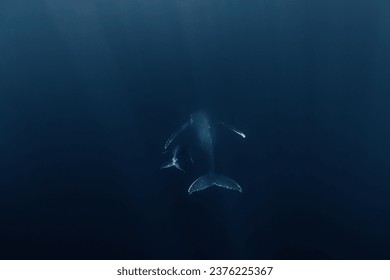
column 174, row 162
column 201, row 124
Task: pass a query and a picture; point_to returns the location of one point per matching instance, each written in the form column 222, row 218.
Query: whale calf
column 174, row 161
column 200, row 122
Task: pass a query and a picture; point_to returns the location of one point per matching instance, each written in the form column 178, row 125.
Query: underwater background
column 91, row 89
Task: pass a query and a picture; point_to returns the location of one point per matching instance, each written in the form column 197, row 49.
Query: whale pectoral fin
column 175, row 134
column 231, row 128
column 210, row 180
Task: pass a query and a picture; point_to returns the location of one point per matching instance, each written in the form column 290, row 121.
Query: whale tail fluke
column 172, row 163
column 210, row 180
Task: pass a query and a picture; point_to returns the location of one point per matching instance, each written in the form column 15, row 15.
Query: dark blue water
column 91, row 89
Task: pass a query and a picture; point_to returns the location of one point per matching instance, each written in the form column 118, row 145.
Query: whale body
column 200, row 122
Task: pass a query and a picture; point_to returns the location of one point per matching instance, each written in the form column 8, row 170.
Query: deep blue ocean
column 90, row 90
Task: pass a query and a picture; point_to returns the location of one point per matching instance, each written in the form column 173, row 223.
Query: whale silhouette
column 174, row 161
column 200, row 122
